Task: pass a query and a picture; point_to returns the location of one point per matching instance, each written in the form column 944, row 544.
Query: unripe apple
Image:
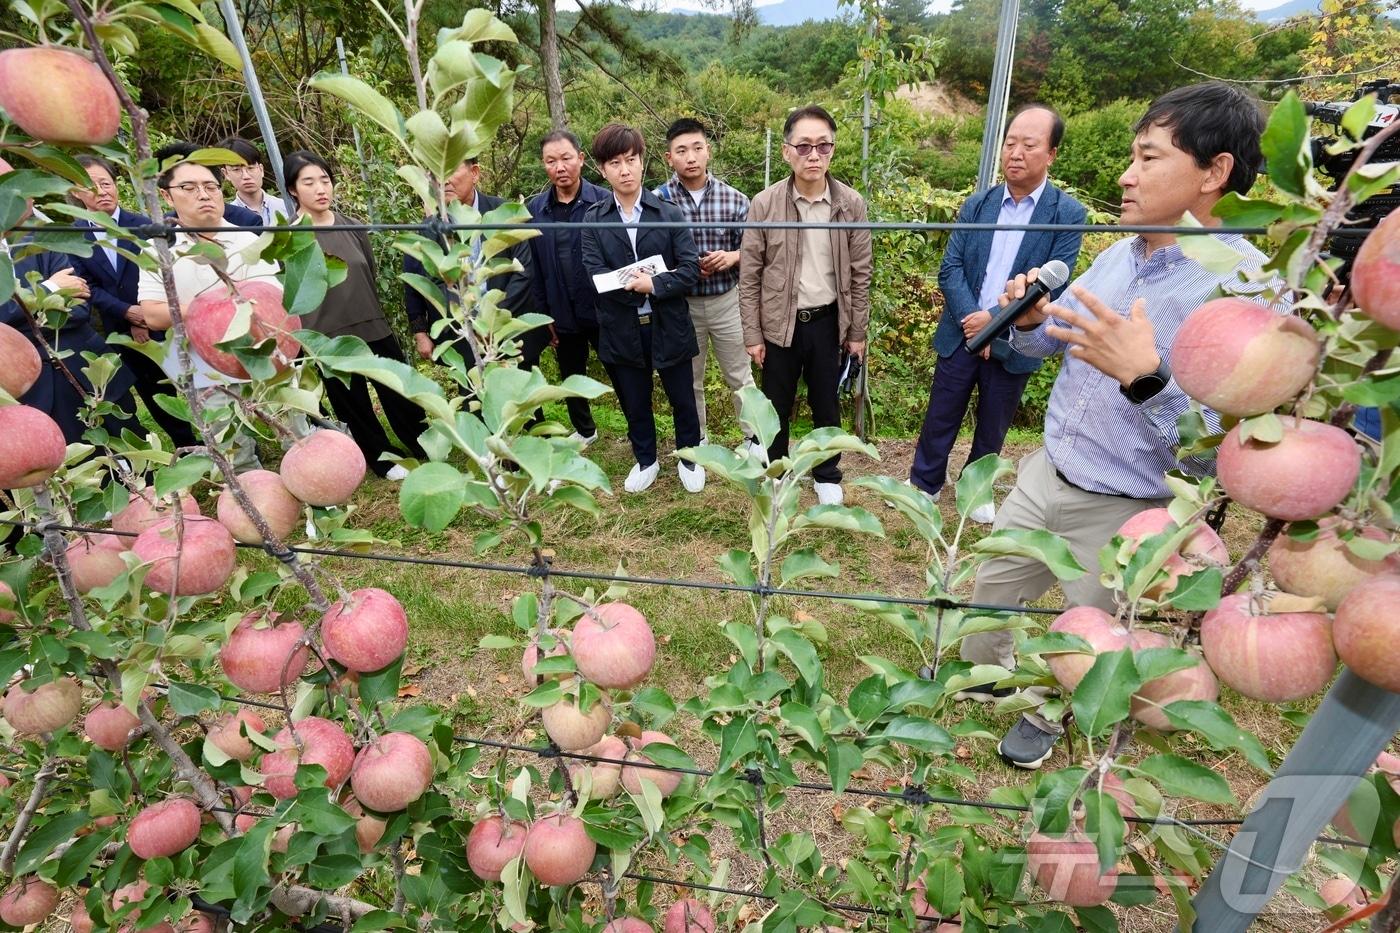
column 1098, row 628
column 613, row 646
column 688, row 915
column 607, row 777
column 366, row 634
column 109, row 726
column 1276, row 658
column 1067, row 869
column 1341, row 892
column 369, row 829
column 58, row 95
column 391, row 772
column 323, row 743
column 1203, row 548
column 531, row 657
column 144, row 510
column 492, row 843
column 191, row 561
column 19, row 361
column 1366, row 630
column 558, row 849
column 628, row 925
column 1305, row 475
column 1324, row 566
column 47, row 709
column 208, row 317
column 324, row 468
column 31, row 446
column 28, row 900
column 265, row 652
column 164, row 829
column 1242, row 358
column 632, row 777
column 1192, row 683
column 1375, row 286
column 95, row 561
column 573, row 729
column 227, row 735
column 265, row 491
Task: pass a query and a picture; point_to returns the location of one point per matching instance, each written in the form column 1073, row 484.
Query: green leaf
column 869, row 699
column 1097, row 919
column 1181, row 778
column 432, row 495
column 842, row 760
column 1216, row 726
column 1037, row 544
column 844, row 517
column 943, row 887
column 381, row 685
column 306, row 279
column 191, row 699
column 1212, row 254
column 757, row 416
column 800, row 719
column 800, row 651
column 1103, row 696
column 806, row 563
column 363, row 98
column 1358, row 116
column 738, row 565
column 1105, row 825
column 1199, row 592
column 738, row 739
column 182, row 474
column 1152, row 663
column 978, row 481
column 55, row 831
column 74, row 864
column 1285, row 145
column 917, row 732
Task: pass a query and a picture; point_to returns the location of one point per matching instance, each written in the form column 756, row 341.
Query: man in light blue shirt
column 1111, row 428
column 976, row 267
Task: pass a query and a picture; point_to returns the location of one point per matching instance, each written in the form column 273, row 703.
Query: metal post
column 998, row 94
column 767, row 157
column 355, row 131
column 865, row 114
column 250, row 77
column 1352, row 726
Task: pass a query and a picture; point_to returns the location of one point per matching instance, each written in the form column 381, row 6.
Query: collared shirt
column 272, row 205
column 716, row 203
column 816, row 279
column 1098, row 439
column 105, row 241
column 632, row 219
column 1006, row 243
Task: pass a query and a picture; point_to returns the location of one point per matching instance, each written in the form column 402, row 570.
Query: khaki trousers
column 716, row 320
column 1086, row 520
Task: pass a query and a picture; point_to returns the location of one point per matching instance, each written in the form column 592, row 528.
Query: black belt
column 1094, row 492
column 808, row 315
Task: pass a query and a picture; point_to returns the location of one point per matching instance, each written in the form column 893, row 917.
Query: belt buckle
column 804, row 315
column 643, row 319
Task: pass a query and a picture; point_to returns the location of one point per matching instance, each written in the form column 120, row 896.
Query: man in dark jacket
column 111, row 275
column 518, row 286
column 562, row 289
column 644, row 325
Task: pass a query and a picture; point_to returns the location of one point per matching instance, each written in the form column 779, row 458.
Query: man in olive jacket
column 804, row 295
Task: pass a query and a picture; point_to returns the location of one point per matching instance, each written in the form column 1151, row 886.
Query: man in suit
column 976, row 267
column 518, row 286
column 111, row 276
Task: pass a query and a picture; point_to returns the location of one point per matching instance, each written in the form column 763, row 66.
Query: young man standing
column 714, row 301
column 562, row 289
column 1111, row 430
column 247, row 181
column 804, row 295
column 644, row 326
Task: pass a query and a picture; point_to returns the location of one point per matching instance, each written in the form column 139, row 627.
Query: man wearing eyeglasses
column 804, row 294
column 247, row 180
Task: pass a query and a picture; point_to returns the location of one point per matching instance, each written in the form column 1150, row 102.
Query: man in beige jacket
column 804, row 294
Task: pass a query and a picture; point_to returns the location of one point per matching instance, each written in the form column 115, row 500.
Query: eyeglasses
column 805, row 149
column 242, row 169
column 207, row 187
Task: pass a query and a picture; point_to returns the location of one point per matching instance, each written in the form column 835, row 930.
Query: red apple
column 1366, row 630
column 7, row 601
column 1202, row 549
column 227, row 734
column 324, row 468
column 571, row 728
column 265, row 491
column 1324, row 566
column 19, row 361
column 632, row 777
column 191, row 561
column 368, row 633
column 1192, row 683
column 47, row 709
column 558, row 849
column 144, row 510
column 208, row 318
column 1276, row 658
column 197, row 921
column 1098, row 628
column 613, row 646
column 370, row 829
column 607, row 777
column 532, row 656
column 1067, row 869
column 164, row 829
column 135, row 893
column 1374, row 284
column 28, row 900
column 688, row 915
column 1342, row 892
column 265, row 652
column 109, row 726
column 323, row 743
column 492, row 843
column 95, row 561
column 1242, row 358
column 628, row 925
column 391, row 772
column 79, row 919
column 31, row 445
column 1305, row 475
column 58, row 95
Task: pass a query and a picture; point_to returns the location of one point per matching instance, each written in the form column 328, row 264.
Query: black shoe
column 984, row 693
column 1027, row 745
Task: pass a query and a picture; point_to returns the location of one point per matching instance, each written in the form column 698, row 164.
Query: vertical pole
column 250, row 77
column 767, row 156
column 998, row 94
column 871, row 26
column 1352, row 726
column 355, row 131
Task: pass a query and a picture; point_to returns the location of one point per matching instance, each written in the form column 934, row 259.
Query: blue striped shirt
column 1094, row 436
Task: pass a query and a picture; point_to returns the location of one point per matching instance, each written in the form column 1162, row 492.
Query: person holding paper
column 644, row 326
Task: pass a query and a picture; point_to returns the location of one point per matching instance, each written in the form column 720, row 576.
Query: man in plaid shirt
column 714, row 302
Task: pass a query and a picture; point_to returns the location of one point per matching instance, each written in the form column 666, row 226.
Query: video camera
column 1345, row 243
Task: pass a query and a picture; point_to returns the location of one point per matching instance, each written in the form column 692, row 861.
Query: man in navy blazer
column 976, row 267
column 111, row 278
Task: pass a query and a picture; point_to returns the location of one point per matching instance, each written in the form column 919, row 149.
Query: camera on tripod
column 1345, row 243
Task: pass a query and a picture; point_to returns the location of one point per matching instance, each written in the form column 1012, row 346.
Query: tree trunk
column 549, row 63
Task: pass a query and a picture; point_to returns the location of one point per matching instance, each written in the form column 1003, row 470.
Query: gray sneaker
column 1027, row 745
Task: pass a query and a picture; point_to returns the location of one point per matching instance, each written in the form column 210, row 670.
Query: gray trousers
column 1086, row 520
column 716, row 320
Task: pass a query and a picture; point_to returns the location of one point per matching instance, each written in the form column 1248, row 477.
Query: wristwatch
column 1147, row 385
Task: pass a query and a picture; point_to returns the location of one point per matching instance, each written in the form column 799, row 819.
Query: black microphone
column 1052, row 275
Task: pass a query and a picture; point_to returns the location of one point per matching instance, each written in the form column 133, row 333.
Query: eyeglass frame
column 830, row 147
column 212, row 188
column 250, row 169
